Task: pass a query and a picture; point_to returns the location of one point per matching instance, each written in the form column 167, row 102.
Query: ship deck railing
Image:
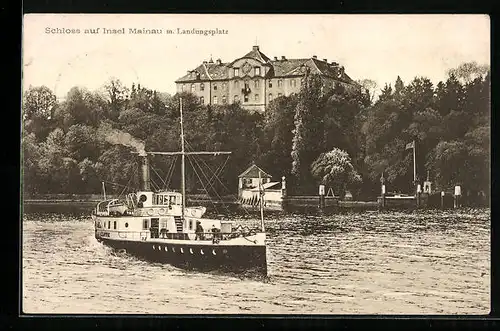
column 201, row 236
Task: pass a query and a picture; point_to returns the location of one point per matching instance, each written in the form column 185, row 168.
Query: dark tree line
column 333, row 136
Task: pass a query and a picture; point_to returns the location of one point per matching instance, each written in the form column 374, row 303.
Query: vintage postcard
column 255, row 164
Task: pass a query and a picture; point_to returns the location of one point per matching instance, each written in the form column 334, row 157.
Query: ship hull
column 239, row 259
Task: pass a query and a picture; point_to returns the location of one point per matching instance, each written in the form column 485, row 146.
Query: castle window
column 202, row 87
column 215, row 87
column 193, row 88
column 202, row 100
column 215, row 100
column 114, row 225
column 145, row 224
column 236, row 71
column 270, row 83
column 280, row 83
column 270, row 96
column 256, row 97
column 257, row 71
column 109, row 224
column 256, row 84
column 236, row 98
column 223, row 99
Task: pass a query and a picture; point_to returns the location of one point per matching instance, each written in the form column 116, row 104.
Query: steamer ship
column 158, row 226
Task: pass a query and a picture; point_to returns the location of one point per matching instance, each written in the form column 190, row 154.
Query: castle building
column 255, row 80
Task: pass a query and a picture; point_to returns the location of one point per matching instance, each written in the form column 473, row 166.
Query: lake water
column 357, row 263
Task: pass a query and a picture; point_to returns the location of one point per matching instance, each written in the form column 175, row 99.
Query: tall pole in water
column 261, row 198
column 183, row 184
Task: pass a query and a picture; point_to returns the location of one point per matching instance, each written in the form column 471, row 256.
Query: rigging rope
column 212, row 186
column 196, row 173
column 170, row 172
column 225, row 187
column 132, row 176
column 158, row 175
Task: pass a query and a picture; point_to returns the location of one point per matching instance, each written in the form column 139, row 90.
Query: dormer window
column 257, row 71
column 236, row 71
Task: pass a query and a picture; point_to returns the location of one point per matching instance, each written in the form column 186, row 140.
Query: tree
column 30, row 170
column 81, row 107
column 39, row 102
column 468, row 71
column 82, row 143
column 307, row 139
column 335, row 169
column 399, row 86
column 278, row 135
column 370, row 86
column 38, row 108
column 117, row 97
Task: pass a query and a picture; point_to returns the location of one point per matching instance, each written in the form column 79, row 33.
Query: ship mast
column 183, row 156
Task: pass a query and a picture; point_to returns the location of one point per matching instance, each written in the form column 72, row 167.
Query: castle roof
column 256, row 54
column 210, row 71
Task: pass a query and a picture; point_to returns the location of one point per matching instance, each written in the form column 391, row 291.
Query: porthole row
column 191, row 251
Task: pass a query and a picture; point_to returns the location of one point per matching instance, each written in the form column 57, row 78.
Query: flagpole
column 104, row 190
column 414, row 164
column 261, row 189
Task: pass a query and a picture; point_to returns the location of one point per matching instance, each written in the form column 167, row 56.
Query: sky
column 377, row 47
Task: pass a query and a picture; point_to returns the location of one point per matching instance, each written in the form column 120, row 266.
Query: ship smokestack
column 146, row 184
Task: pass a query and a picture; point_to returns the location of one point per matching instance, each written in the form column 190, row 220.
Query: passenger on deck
column 163, row 232
column 199, row 231
column 215, row 234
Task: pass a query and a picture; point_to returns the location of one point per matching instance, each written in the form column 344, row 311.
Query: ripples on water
column 359, row 263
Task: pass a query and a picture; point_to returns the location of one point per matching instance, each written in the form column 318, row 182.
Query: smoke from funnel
column 117, row 137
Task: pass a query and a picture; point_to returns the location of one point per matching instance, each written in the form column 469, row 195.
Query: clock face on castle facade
column 246, row 68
